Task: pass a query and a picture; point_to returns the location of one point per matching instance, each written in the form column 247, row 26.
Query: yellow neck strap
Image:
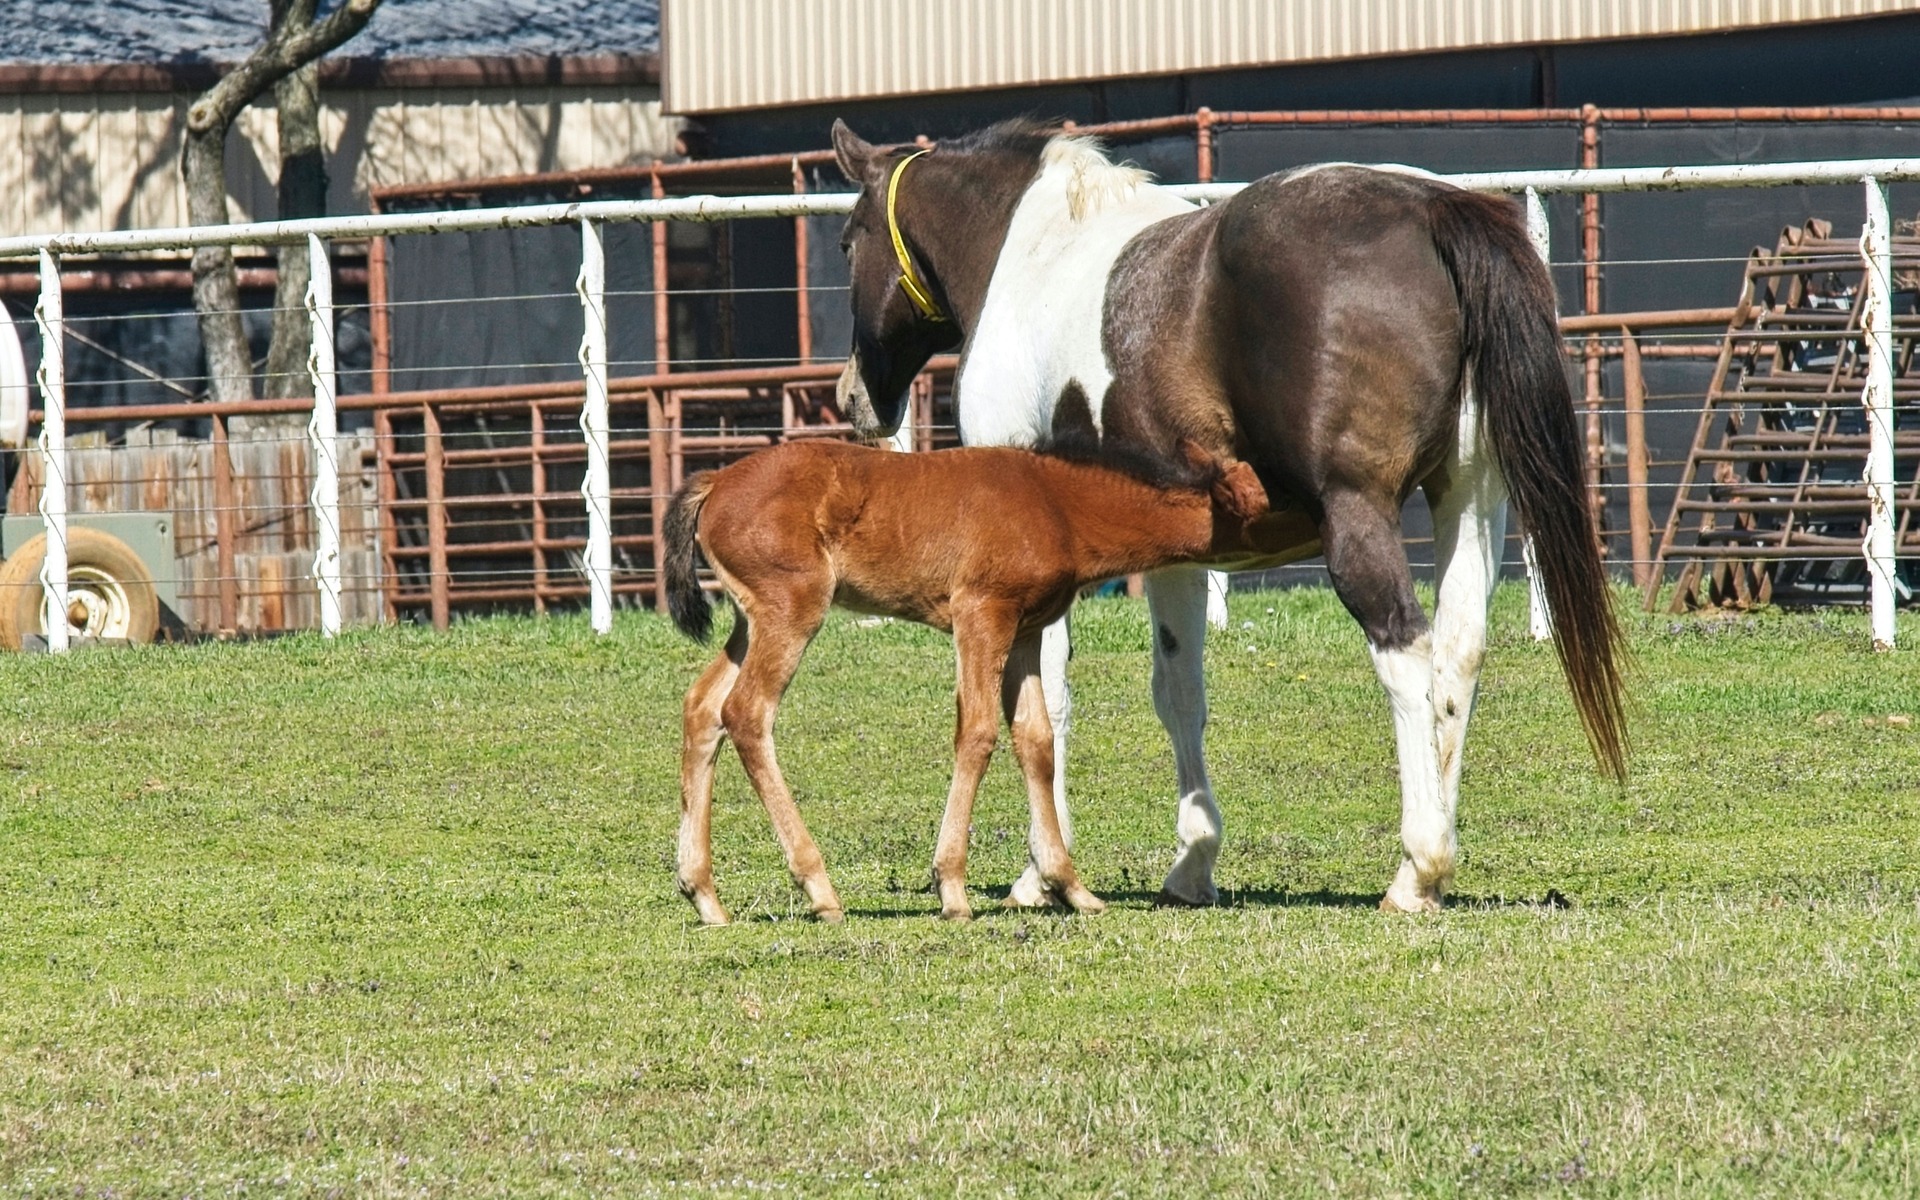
column 910, row 281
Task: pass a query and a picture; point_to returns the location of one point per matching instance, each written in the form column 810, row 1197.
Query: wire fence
column 515, row 450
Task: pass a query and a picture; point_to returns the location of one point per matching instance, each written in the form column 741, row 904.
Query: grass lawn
column 397, row 916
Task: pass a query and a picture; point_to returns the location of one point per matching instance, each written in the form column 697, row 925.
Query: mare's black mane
column 1017, row 135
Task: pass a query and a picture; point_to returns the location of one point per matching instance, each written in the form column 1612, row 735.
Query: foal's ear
column 853, row 151
column 1239, row 491
column 1234, row 486
column 1198, row 460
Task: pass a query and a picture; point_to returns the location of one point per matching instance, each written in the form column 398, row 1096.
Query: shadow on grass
column 1328, row 898
column 1324, row 898
column 994, row 904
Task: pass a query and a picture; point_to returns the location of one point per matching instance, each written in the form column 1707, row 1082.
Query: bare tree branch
column 290, row 45
column 294, row 39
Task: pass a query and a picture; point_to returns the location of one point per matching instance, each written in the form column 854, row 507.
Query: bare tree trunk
column 216, row 291
column 294, row 41
column 303, row 193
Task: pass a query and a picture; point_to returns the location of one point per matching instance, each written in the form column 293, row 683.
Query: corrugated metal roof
column 176, row 31
column 733, row 54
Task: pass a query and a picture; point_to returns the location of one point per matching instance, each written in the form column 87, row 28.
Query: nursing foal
column 990, row 544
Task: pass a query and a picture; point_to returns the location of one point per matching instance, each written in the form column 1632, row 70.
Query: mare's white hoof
column 1407, row 900
column 1168, row 898
column 1186, row 887
column 1410, row 894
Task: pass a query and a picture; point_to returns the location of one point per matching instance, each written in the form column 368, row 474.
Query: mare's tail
column 1511, row 340
column 679, row 559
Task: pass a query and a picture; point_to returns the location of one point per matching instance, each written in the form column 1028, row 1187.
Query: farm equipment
column 114, row 591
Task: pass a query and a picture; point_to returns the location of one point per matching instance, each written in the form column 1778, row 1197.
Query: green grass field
column 397, row 916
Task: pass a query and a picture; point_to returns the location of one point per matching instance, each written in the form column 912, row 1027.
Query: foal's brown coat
column 990, row 544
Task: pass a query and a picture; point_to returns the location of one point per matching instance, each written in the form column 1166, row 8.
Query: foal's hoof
column 1030, row 892
column 708, row 906
column 959, row 916
column 829, row 916
column 1087, row 904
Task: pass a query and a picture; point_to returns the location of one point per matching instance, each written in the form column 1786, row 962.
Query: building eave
column 597, row 70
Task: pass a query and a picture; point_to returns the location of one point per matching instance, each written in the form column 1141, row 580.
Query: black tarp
column 498, row 307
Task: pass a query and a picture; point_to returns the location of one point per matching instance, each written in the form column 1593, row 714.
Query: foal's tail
column 1511, row 340
column 686, row 599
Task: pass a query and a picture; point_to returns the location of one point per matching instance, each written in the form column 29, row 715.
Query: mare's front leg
column 1056, row 647
column 781, row 627
column 1365, row 556
column 981, row 636
column 1177, row 603
column 1023, row 702
column 701, row 735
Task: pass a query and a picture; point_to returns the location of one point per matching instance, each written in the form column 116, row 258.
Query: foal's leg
column 1177, row 602
column 1361, row 537
column 981, row 637
column 1468, row 500
column 781, row 630
column 1030, row 891
column 701, row 735
column 1023, row 703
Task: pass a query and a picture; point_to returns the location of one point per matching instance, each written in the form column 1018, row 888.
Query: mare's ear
column 854, row 152
column 1240, row 492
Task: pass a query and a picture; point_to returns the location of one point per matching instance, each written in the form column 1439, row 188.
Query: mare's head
column 949, row 212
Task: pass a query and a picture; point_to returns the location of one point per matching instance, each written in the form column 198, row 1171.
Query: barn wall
column 741, row 54
column 85, row 163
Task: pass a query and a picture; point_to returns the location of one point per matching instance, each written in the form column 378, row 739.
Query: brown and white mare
column 989, row 544
column 1353, row 333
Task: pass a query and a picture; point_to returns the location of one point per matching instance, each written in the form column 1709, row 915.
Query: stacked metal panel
column 1773, row 503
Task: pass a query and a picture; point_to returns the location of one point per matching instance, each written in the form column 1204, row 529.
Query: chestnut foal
column 990, row 544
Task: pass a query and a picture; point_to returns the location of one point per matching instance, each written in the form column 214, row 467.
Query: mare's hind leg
column 981, row 636
column 1361, row 537
column 1023, row 702
column 781, row 628
column 701, row 735
column 1177, row 602
column 1030, row 890
column 1468, row 500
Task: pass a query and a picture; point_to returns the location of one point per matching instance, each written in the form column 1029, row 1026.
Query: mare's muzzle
column 855, row 400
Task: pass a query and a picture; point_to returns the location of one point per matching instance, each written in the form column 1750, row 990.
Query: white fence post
column 323, row 429
column 1539, row 619
column 51, row 319
column 1217, row 599
column 1876, row 324
column 597, row 488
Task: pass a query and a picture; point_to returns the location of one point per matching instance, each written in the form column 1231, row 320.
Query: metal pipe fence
column 632, row 436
